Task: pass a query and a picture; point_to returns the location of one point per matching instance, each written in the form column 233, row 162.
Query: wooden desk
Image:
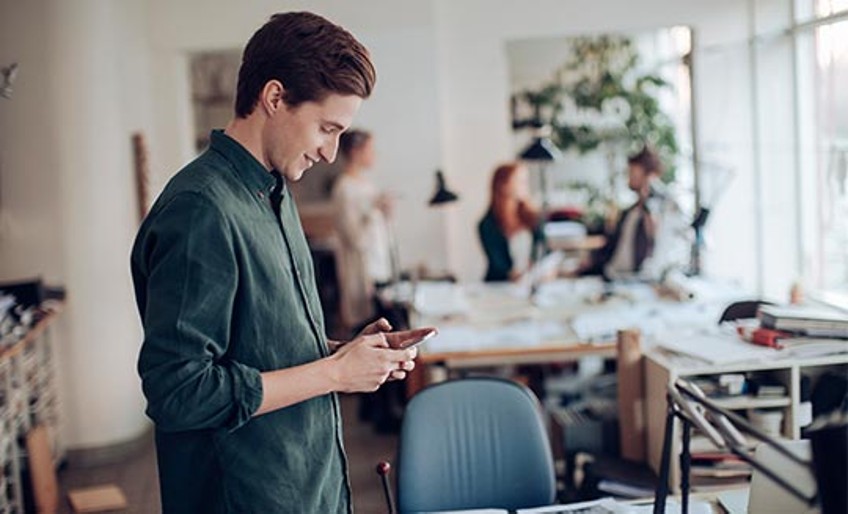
column 500, row 324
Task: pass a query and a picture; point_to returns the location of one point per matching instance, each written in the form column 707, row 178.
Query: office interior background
column 767, row 122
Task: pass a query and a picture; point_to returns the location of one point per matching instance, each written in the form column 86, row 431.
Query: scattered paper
column 514, row 335
column 715, row 347
column 440, row 299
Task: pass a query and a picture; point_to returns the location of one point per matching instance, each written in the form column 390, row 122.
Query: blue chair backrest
column 474, row 443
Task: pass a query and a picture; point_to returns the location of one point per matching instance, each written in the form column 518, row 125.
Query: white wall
column 70, row 213
column 100, row 81
column 474, row 74
column 30, row 228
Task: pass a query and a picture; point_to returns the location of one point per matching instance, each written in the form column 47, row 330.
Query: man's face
column 295, row 138
column 637, row 177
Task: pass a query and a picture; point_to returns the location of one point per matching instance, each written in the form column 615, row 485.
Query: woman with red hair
column 510, row 232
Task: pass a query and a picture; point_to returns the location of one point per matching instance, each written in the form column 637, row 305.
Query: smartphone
column 409, row 338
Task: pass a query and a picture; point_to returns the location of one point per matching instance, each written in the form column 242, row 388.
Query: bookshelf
column 28, row 398
column 661, row 370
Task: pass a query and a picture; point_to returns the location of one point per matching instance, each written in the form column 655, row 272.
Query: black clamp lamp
column 689, row 404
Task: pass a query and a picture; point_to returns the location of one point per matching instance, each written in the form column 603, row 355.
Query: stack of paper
column 440, row 299
column 603, row 325
column 514, row 335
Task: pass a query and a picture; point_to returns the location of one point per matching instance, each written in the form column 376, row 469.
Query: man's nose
column 329, row 150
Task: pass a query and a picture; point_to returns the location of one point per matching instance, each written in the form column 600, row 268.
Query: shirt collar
column 250, row 170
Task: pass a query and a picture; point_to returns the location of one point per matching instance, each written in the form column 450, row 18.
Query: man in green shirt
column 239, row 377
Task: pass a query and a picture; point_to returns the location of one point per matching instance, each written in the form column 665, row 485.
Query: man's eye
column 327, row 130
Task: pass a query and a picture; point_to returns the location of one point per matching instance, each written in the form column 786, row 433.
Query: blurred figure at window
column 361, row 215
column 652, row 235
column 511, row 231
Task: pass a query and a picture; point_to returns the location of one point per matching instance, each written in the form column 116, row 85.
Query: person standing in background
column 362, row 215
column 511, row 231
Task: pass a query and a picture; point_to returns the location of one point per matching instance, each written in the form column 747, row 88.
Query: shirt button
column 260, row 194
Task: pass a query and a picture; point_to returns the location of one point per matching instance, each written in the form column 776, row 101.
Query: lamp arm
column 736, row 446
column 744, row 425
column 696, row 418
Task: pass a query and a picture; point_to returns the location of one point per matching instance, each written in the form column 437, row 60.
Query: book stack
column 806, row 331
column 715, row 469
column 721, row 466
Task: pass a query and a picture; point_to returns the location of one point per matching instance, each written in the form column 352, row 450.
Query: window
column 774, row 111
column 822, row 53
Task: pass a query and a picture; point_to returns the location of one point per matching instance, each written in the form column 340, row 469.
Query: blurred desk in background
column 497, row 324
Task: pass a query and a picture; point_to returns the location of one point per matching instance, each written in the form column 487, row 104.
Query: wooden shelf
column 33, row 334
column 660, row 371
column 31, row 404
column 748, row 401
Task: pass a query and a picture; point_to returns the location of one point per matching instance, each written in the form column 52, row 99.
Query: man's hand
column 365, row 363
column 381, row 325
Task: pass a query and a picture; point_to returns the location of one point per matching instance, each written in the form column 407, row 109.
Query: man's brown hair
column 309, row 55
column 648, row 160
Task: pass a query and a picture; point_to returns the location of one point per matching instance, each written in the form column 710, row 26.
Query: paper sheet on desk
column 440, row 299
column 602, row 325
column 714, row 347
column 671, row 507
column 568, row 293
column 611, row 506
column 467, row 511
column 515, row 335
column 651, row 318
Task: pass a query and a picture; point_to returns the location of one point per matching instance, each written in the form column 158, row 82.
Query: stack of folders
column 715, row 467
column 804, row 330
column 805, row 321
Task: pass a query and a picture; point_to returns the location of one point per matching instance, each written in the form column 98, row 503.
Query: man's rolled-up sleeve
column 186, row 264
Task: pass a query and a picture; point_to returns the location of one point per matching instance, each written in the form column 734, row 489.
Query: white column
column 100, row 90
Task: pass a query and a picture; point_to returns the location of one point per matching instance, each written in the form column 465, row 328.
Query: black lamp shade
column 541, row 149
column 443, row 194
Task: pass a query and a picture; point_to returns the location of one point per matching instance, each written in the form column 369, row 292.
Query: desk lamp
column 541, row 152
column 442, row 195
column 688, row 403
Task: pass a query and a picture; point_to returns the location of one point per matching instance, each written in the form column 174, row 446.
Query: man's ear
column 273, row 96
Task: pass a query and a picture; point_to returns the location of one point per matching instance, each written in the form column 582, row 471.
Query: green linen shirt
column 226, row 290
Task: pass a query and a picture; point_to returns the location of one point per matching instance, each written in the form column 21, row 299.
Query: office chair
column 742, row 310
column 472, row 443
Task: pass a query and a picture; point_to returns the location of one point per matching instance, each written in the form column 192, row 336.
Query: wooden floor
column 137, row 475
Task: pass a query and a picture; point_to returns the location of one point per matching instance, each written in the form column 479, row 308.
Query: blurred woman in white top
column 361, row 215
